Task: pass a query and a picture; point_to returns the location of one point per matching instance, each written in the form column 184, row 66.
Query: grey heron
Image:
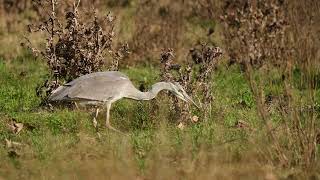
column 103, row 88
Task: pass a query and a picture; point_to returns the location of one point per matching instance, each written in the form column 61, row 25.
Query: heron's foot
column 94, row 121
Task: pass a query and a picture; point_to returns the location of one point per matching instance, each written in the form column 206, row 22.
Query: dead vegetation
column 76, row 44
column 195, row 77
column 263, row 36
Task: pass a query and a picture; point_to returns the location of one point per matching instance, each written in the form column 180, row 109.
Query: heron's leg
column 108, row 119
column 95, row 122
column 77, row 106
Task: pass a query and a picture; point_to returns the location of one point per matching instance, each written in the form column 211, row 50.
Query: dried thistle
column 206, row 57
column 75, row 46
column 196, row 81
column 120, row 53
column 256, row 31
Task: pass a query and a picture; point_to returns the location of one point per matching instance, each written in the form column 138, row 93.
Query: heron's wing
column 98, row 89
column 108, row 75
column 95, row 86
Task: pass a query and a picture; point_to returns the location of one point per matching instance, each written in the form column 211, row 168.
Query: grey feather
column 98, row 86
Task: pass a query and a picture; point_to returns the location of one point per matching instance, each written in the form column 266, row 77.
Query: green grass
column 63, row 143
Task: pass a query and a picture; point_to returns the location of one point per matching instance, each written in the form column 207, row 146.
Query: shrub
column 278, row 35
column 195, row 77
column 75, row 45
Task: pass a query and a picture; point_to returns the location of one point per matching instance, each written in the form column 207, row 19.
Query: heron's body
column 93, row 88
column 104, row 88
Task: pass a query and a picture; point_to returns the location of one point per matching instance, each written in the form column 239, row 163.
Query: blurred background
column 147, row 26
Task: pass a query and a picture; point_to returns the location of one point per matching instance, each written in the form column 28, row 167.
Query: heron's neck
column 156, row 88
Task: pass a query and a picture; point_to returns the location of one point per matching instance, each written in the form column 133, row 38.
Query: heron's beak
column 185, row 97
column 189, row 99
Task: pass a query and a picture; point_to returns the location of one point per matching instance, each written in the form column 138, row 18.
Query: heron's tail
column 58, row 94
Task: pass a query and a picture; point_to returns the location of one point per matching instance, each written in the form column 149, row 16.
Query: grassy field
column 63, row 142
column 233, row 143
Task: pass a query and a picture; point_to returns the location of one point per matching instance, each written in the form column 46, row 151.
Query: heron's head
column 178, row 90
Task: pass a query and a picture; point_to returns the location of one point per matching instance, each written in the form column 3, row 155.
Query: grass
column 63, row 143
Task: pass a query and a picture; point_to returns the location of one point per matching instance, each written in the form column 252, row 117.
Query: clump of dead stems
column 75, row 45
column 195, row 77
column 260, row 35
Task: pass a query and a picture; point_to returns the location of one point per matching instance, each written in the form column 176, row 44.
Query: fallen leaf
column 8, row 143
column 12, row 144
column 19, row 127
column 181, row 126
column 11, row 127
column 15, row 127
column 195, row 119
